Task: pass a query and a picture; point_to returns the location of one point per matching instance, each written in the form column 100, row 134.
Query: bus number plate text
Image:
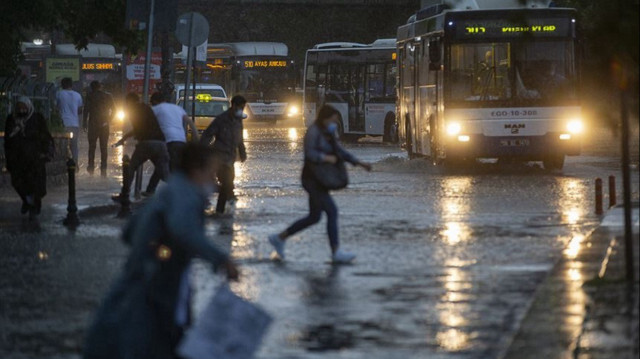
column 514, row 143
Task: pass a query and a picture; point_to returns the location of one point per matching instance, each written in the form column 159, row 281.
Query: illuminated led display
column 504, row 28
column 100, row 66
column 265, row 63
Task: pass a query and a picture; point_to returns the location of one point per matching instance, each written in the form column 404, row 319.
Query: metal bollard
column 72, row 219
column 125, row 209
column 599, row 196
column 612, row 191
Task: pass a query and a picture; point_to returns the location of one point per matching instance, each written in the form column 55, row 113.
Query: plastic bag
column 230, row 327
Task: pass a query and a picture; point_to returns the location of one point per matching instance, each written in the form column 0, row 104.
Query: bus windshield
column 517, row 74
column 266, row 85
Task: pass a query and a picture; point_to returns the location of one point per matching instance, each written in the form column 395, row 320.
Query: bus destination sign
column 502, row 28
column 99, row 66
column 251, row 64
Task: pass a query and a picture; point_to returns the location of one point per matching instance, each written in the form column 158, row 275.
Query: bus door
column 356, row 99
column 408, row 89
column 421, row 97
column 377, row 100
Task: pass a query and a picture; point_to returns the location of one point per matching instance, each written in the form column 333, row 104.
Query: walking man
column 150, row 146
column 96, row 119
column 172, row 120
column 70, row 108
column 226, row 133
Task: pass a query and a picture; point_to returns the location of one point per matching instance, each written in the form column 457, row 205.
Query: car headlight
column 575, row 126
column 454, row 128
column 120, row 115
column 293, row 110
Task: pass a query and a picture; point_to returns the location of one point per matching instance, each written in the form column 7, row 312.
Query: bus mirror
column 434, row 55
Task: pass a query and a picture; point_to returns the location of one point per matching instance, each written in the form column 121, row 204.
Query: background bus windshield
column 266, row 84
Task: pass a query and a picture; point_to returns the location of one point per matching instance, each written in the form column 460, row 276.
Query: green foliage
column 80, row 20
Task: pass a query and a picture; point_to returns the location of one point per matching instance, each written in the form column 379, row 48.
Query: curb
column 554, row 324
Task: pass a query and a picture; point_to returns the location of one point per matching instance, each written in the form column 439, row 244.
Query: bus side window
column 375, row 82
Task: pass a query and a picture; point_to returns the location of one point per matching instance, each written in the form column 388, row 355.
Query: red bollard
column 599, row 196
column 612, row 191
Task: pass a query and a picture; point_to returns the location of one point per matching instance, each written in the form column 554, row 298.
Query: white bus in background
column 262, row 72
column 359, row 80
column 490, row 83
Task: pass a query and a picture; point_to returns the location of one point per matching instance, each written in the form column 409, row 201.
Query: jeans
column 156, row 151
column 75, row 131
column 226, row 175
column 94, row 134
column 175, row 149
column 319, row 201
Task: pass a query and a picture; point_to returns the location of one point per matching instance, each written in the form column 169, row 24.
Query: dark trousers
column 226, row 175
column 94, row 134
column 175, row 149
column 319, row 201
column 156, row 152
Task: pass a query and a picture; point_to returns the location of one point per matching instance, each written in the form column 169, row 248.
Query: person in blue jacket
column 147, row 309
column 320, row 145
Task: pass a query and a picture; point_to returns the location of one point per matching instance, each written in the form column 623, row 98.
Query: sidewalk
column 585, row 309
column 93, row 197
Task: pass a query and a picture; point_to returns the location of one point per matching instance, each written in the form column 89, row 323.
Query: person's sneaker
column 342, row 257
column 278, row 245
column 147, row 193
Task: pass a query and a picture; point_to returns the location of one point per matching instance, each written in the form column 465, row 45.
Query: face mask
column 240, row 114
column 332, row 127
column 22, row 113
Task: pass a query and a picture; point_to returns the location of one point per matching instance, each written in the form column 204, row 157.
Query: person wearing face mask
column 28, row 146
column 320, row 145
column 147, row 310
column 224, row 136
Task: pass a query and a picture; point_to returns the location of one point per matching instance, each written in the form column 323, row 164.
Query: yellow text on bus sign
column 538, row 28
column 99, row 66
column 265, row 63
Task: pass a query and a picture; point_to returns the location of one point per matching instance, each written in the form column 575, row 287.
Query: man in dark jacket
column 151, row 144
column 226, row 132
column 99, row 110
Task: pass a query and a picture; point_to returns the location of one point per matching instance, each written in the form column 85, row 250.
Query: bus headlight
column 120, row 115
column 575, row 126
column 293, row 110
column 454, row 129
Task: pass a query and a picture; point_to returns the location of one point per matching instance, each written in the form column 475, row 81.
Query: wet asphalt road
column 448, row 262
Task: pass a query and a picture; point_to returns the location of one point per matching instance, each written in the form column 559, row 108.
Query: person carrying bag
column 324, row 170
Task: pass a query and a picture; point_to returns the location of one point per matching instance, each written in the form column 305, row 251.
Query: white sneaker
column 278, row 245
column 341, row 257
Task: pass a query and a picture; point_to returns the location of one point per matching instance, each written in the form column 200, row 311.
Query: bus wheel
column 553, row 162
column 390, row 132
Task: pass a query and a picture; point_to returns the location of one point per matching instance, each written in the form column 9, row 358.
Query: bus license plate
column 514, row 143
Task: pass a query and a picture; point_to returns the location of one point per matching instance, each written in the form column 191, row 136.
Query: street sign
column 201, row 52
column 192, row 29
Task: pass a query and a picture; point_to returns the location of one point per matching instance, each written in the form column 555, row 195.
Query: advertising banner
column 57, row 68
column 135, row 72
